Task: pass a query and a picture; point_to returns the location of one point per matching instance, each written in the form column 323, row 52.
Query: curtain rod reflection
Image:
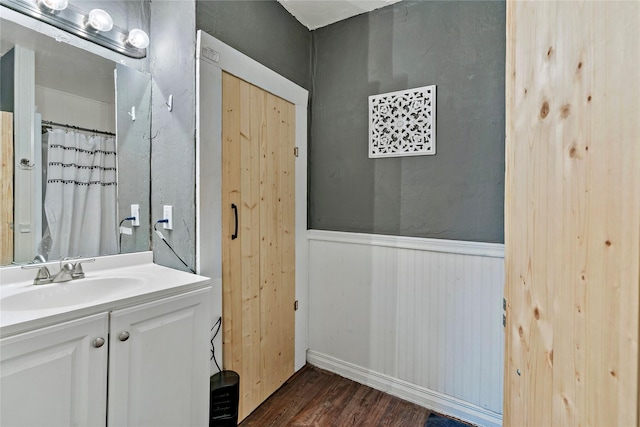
column 49, row 124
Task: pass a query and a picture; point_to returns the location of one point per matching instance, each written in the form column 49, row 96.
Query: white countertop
column 157, row 281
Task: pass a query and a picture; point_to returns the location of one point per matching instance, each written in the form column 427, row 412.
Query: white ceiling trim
column 319, row 13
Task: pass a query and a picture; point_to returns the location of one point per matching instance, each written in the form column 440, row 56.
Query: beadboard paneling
column 419, row 311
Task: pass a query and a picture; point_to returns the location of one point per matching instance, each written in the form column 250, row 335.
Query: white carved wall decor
column 403, row 123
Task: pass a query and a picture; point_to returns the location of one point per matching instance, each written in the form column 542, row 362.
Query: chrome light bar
column 75, row 22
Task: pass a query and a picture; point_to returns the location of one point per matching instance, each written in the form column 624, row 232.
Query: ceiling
column 319, row 13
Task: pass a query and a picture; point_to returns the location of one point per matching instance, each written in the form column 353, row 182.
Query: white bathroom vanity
column 128, row 345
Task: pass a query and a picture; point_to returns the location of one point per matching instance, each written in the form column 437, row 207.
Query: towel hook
column 169, row 103
column 132, row 113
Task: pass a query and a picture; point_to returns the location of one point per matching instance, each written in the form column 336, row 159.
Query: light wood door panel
column 6, row 180
column 258, row 268
column 572, row 213
column 277, row 250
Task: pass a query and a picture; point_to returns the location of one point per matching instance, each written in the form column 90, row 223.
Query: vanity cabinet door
column 55, row 376
column 159, row 363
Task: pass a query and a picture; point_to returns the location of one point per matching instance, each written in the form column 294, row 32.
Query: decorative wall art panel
column 403, row 123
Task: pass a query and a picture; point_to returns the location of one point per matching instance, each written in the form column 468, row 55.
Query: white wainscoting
column 417, row 318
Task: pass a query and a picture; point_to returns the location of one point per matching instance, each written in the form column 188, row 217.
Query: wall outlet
column 167, row 213
column 135, row 212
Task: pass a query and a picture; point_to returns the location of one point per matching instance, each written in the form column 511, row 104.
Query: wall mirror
column 75, row 151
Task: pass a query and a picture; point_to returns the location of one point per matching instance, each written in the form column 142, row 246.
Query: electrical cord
column 129, row 218
column 215, row 334
column 159, row 233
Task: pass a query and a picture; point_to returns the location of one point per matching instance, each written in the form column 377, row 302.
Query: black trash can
column 223, row 399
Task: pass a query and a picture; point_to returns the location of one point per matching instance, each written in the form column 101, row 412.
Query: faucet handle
column 43, row 276
column 67, row 265
column 78, row 272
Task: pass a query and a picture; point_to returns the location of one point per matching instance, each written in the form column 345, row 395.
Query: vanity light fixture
column 138, row 38
column 96, row 26
column 53, row 5
column 100, row 20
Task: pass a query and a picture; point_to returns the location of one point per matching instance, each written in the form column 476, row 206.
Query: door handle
column 235, row 214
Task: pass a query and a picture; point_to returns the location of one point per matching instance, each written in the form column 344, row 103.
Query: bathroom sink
column 66, row 294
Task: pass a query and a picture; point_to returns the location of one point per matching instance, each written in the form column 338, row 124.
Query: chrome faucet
column 42, row 276
column 68, row 271
column 65, row 274
column 38, row 259
column 78, row 272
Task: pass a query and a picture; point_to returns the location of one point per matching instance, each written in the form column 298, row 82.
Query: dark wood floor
column 314, row 397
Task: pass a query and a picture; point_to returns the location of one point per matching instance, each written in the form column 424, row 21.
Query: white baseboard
column 422, row 396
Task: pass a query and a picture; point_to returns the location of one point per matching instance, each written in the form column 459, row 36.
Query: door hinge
column 295, row 306
column 296, row 151
column 504, row 315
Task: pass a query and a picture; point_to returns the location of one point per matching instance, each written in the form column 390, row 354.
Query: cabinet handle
column 123, row 336
column 98, row 342
column 235, row 213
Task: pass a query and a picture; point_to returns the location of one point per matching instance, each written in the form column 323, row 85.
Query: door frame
column 212, row 58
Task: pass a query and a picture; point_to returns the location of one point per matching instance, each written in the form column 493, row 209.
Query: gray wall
column 172, row 56
column 456, row 194
column 258, row 28
column 262, row 30
column 459, row 46
column 7, row 71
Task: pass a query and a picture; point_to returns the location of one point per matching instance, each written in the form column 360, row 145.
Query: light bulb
column 54, row 5
column 100, row 20
column 138, row 38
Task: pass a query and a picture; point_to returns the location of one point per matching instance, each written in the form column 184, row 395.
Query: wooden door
column 6, row 181
column 159, row 364
column 56, row 376
column 258, row 250
column 572, row 213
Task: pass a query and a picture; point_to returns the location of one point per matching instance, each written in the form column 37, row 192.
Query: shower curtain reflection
column 80, row 197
